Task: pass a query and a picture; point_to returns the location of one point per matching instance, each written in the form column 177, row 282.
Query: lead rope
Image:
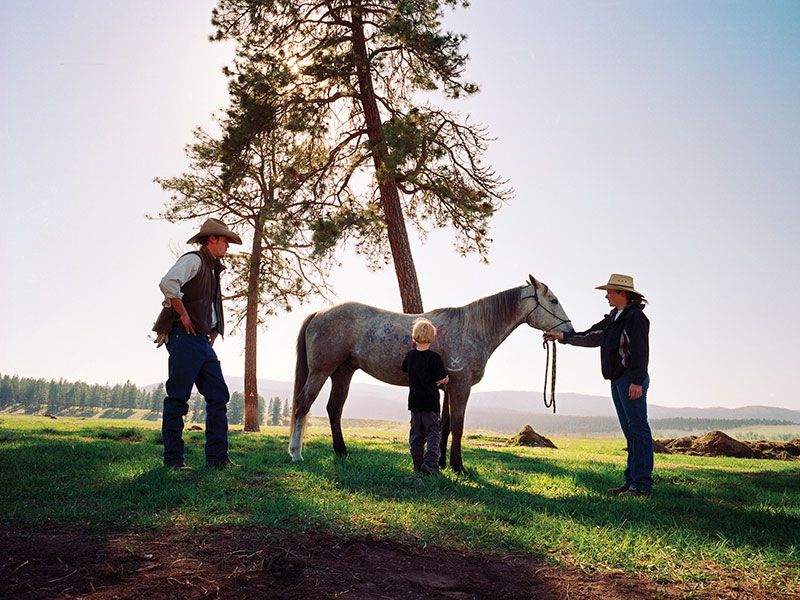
column 552, row 401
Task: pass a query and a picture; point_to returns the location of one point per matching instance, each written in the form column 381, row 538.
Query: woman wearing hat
column 624, row 350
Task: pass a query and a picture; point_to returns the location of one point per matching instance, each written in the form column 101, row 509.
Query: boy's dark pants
column 192, row 361
column 425, row 427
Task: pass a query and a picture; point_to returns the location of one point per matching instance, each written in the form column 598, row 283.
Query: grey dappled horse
column 336, row 341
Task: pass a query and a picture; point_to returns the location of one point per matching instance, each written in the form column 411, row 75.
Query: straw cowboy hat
column 619, row 282
column 215, row 227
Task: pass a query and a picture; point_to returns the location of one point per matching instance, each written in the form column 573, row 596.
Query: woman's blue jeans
column 632, row 416
column 192, row 361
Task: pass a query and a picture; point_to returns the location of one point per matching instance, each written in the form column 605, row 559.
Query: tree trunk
column 390, row 197
column 251, row 334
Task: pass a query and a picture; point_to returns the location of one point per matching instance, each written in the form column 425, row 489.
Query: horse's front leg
column 458, row 406
column 340, row 386
column 445, row 430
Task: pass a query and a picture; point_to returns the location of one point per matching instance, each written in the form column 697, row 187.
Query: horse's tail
column 300, row 369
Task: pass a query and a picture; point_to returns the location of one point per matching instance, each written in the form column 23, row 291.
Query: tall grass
column 709, row 519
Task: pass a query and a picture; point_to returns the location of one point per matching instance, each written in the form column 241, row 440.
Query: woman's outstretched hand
column 550, row 336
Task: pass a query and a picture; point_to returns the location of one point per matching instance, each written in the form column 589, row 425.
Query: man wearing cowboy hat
column 189, row 323
column 623, row 337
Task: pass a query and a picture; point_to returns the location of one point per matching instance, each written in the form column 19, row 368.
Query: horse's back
column 363, row 336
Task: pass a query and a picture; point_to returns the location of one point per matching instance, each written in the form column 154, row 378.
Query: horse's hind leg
column 302, row 405
column 340, row 386
column 445, row 430
column 458, row 405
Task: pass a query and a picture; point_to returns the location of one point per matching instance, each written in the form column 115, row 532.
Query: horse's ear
column 532, row 279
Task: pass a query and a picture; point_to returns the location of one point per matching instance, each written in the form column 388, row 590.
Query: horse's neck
column 492, row 319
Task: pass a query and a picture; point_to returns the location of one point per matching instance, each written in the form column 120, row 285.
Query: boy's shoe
column 222, row 464
column 426, row 470
column 616, row 491
column 179, row 467
column 634, row 492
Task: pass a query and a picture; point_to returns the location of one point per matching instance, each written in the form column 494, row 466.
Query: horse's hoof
column 297, row 459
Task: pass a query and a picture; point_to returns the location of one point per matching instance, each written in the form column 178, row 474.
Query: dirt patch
column 717, row 443
column 528, row 437
column 64, row 562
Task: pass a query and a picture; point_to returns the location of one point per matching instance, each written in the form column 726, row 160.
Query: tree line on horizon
column 79, row 398
column 57, row 395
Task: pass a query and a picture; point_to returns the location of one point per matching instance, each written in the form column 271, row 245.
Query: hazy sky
column 656, row 139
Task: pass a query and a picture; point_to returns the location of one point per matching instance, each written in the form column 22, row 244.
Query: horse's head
column 545, row 311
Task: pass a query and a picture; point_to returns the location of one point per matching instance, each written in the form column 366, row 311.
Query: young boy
column 425, row 371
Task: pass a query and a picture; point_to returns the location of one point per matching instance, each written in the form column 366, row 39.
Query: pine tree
column 6, row 392
column 157, row 398
column 95, row 396
column 198, row 414
column 275, row 411
column 54, row 402
column 236, row 408
column 256, row 192
column 364, row 70
column 37, row 394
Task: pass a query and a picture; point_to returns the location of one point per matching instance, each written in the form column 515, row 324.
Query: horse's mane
column 490, row 313
column 498, row 310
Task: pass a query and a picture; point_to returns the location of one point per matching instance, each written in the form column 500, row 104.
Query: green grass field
column 710, row 519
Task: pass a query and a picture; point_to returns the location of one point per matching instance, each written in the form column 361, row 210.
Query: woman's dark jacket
column 623, row 343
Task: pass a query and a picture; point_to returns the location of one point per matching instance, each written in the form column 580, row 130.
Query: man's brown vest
column 200, row 293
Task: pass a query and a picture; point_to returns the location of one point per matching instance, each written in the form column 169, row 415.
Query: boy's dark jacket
column 608, row 334
column 424, row 368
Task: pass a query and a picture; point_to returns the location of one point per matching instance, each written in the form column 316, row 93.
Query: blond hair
column 424, row 332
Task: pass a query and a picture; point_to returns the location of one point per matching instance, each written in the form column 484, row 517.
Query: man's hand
column 635, row 392
column 178, row 307
column 211, row 337
column 187, row 324
column 444, row 381
column 550, row 336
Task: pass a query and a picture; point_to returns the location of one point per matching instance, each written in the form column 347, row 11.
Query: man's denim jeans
column 632, row 416
column 192, row 361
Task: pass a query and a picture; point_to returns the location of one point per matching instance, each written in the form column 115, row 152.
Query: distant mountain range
column 369, row 401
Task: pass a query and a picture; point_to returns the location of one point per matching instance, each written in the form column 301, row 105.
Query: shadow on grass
column 117, row 481
column 711, row 504
column 78, row 413
column 115, row 413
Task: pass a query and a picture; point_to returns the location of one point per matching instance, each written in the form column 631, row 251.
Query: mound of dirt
column 195, row 428
column 660, row 448
column 717, row 443
column 528, row 437
column 780, row 450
